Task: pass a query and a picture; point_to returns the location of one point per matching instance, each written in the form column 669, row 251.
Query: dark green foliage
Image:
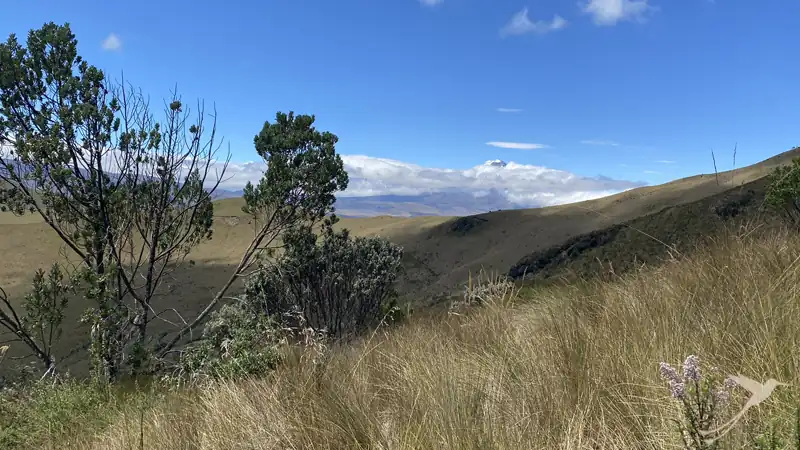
column 336, row 288
column 303, row 171
column 109, row 324
column 303, row 174
column 130, row 196
column 55, row 107
column 57, row 118
column 783, row 193
column 340, row 285
column 39, row 326
column 235, row 344
column 126, row 193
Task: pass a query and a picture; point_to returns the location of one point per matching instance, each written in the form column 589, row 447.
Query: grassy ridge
column 562, row 367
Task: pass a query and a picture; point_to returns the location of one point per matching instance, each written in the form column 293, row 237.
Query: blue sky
column 606, row 87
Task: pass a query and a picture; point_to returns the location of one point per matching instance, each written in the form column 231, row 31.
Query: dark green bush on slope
column 783, row 193
column 337, row 288
column 340, row 285
column 234, row 344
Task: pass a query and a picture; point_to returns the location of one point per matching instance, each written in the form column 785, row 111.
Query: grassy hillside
column 440, row 252
column 570, row 366
column 445, row 254
column 651, row 238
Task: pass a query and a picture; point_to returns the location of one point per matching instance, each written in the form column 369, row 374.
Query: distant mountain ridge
column 366, row 198
column 431, row 204
column 446, row 201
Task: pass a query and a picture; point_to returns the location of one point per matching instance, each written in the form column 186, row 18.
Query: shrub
column 783, row 192
column 341, row 285
column 235, row 344
column 336, row 288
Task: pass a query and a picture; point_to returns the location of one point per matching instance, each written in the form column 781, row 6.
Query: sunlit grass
column 571, row 366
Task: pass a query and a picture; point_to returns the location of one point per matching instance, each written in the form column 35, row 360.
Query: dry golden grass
column 570, row 367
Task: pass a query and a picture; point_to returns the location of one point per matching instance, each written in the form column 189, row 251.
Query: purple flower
column 691, row 368
column 730, row 383
column 678, row 389
column 669, row 373
column 721, row 397
column 723, row 394
column 676, row 385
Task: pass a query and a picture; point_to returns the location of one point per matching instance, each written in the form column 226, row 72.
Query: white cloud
column 651, row 172
column 526, row 185
column 609, row 12
column 509, row 110
column 665, row 161
column 599, row 142
column 522, row 184
column 520, row 24
column 431, row 2
column 112, row 43
column 517, row 145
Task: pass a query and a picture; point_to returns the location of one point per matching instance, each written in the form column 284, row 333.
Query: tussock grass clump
column 573, row 367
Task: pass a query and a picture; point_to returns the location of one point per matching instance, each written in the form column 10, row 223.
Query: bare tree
column 170, row 206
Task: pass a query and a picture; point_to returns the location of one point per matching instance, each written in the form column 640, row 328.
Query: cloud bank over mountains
column 492, row 185
column 388, row 186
